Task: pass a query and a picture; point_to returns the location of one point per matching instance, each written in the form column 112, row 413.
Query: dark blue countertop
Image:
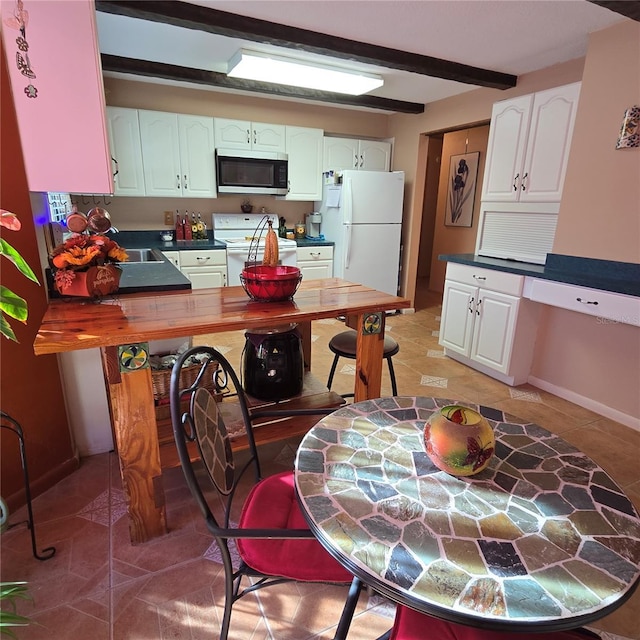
column 308, row 242
column 151, row 239
column 606, row 275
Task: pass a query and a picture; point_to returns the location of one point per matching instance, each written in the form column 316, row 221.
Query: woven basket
column 162, row 379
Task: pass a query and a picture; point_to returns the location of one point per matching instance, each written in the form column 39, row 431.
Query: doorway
column 436, row 238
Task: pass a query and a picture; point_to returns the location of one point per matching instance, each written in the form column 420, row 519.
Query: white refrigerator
column 363, row 217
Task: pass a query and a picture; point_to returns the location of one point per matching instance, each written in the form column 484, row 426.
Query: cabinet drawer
column 616, row 307
column 203, row 258
column 306, row 254
column 501, row 281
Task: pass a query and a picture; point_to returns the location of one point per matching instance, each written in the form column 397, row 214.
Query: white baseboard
column 587, row 403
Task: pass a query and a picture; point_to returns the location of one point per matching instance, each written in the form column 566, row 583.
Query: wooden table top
column 73, row 324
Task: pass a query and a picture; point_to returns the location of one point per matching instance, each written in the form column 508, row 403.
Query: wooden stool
column 344, row 346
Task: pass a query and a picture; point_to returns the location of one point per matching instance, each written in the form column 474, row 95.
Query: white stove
column 238, row 231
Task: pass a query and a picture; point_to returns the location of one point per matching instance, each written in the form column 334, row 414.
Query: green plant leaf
column 13, row 305
column 7, row 250
column 6, row 330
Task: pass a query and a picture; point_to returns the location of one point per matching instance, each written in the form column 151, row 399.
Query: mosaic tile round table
column 543, row 539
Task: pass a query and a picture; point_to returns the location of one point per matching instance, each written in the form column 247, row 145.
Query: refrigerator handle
column 347, row 244
column 347, row 201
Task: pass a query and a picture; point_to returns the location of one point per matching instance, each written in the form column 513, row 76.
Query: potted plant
column 86, row 265
column 12, row 304
column 10, row 592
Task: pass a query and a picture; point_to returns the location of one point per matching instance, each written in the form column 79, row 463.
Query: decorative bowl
column 459, row 440
column 270, row 284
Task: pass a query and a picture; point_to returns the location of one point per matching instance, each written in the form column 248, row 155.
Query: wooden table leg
column 369, row 352
column 130, row 392
column 305, row 333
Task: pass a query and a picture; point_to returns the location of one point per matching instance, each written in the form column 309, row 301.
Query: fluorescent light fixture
column 253, row 65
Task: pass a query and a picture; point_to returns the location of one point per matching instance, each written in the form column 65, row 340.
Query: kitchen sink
column 143, row 255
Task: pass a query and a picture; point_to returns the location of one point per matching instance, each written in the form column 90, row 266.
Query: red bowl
column 270, row 284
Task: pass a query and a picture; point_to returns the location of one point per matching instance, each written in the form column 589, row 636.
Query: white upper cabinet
column 197, row 149
column 126, row 152
column 178, row 154
column 528, row 149
column 348, row 153
column 242, row 134
column 63, row 131
column 304, row 150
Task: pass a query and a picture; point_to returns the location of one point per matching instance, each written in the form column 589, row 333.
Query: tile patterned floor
column 99, row 586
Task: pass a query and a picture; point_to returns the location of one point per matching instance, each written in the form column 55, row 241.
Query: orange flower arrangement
column 81, row 251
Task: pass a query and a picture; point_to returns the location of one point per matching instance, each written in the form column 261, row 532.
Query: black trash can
column 272, row 363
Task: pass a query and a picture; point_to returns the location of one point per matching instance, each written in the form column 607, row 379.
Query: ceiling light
column 269, row 68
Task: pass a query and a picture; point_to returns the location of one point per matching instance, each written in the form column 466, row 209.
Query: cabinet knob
column 361, row 160
column 479, row 277
column 471, row 305
column 581, row 301
column 185, row 182
column 248, row 136
column 117, row 169
column 523, row 186
column 515, row 180
column 355, row 161
column 478, row 307
column 202, row 258
column 178, row 181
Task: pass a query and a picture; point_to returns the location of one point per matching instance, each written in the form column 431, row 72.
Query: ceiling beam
column 623, row 7
column 191, row 16
column 118, row 64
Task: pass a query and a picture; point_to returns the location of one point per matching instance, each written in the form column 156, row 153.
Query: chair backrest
column 203, row 414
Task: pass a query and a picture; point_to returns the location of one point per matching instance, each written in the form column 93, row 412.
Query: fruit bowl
column 270, row 284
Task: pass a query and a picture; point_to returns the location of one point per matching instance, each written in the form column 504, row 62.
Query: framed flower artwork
column 461, row 189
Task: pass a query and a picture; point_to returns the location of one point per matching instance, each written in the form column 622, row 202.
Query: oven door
column 238, row 258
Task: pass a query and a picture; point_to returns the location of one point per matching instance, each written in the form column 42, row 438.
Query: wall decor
column 463, row 174
column 629, row 133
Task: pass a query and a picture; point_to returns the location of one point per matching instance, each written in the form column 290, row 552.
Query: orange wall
column 30, row 389
column 600, row 218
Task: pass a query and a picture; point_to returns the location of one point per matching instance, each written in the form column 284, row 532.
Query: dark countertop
column 309, row 242
column 141, row 277
column 151, row 239
column 606, row 275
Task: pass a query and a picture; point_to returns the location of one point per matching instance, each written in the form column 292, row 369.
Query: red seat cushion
column 272, row 504
column 411, row 625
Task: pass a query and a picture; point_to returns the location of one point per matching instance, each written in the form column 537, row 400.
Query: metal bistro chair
column 343, row 345
column 271, row 535
column 412, row 625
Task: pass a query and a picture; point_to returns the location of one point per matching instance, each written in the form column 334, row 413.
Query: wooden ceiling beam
column 191, row 16
column 118, row 64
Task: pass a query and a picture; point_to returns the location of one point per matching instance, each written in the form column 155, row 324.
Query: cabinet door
column 340, row 154
column 197, row 156
column 124, row 143
column 316, row 270
column 494, row 330
column 374, row 155
column 304, row 148
column 174, row 256
column 506, row 148
column 206, row 278
column 232, row 134
column 160, row 153
column 547, row 153
column 62, row 129
column 458, row 315
column 268, row 137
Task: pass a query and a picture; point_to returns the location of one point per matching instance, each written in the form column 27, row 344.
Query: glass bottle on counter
column 188, row 235
column 179, row 227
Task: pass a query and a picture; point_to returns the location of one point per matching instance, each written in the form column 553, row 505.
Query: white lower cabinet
column 486, row 323
column 315, row 263
column 206, row 268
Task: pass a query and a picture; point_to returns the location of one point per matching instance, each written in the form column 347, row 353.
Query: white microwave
column 257, row 172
